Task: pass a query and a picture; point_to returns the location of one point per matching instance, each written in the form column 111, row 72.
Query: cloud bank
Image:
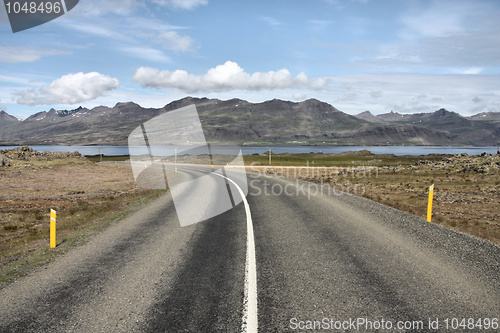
column 181, row 4
column 171, row 40
column 226, row 77
column 20, row 54
column 70, row 89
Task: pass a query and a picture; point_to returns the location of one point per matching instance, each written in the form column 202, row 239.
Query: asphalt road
column 321, row 259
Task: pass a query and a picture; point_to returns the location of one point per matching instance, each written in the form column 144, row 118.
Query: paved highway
column 322, row 261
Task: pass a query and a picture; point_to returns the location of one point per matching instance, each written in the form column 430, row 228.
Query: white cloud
column 436, row 37
column 472, row 70
column 20, row 54
column 91, row 28
column 461, row 54
column 299, row 96
column 347, row 97
column 171, row 40
column 125, row 7
column 181, row 4
column 319, row 25
column 318, row 83
column 137, row 24
column 409, row 93
column 229, row 76
column 146, row 53
column 134, row 30
column 15, row 79
column 99, row 8
column 70, row 89
column 437, row 21
column 271, row 21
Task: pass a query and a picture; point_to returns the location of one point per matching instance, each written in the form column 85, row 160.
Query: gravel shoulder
column 107, row 284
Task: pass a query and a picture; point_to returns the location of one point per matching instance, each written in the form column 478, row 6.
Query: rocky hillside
column 238, row 121
column 481, row 129
column 6, row 118
column 486, row 116
column 26, row 157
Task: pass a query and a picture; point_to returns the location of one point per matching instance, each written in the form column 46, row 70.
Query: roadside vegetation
column 88, row 197
column 466, row 192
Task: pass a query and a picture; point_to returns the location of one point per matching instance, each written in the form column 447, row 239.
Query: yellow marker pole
column 52, row 228
column 175, row 170
column 429, row 205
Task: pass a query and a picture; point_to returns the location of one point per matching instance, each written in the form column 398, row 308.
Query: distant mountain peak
column 443, row 110
column 126, row 104
column 312, row 101
column 276, row 101
column 368, row 116
column 447, row 113
column 7, row 118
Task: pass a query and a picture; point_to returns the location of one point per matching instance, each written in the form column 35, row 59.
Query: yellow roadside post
column 52, row 228
column 429, row 204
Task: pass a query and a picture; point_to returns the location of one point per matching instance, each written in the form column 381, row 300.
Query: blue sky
column 382, row 56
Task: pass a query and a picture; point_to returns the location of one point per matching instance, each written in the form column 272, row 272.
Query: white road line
column 250, row 319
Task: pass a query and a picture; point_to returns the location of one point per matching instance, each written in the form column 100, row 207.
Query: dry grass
column 469, row 204
column 85, row 196
column 89, row 196
column 465, row 199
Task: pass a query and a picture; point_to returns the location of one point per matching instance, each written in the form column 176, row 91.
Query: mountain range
column 270, row 122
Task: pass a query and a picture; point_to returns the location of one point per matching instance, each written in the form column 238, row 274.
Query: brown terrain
column 84, row 194
column 88, row 196
column 466, row 194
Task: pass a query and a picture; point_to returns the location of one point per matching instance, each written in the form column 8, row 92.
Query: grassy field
column 105, row 158
column 346, row 159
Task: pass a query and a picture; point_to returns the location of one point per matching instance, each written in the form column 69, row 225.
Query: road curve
column 320, row 257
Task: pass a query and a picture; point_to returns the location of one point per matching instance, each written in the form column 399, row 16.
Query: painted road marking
column 250, row 320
